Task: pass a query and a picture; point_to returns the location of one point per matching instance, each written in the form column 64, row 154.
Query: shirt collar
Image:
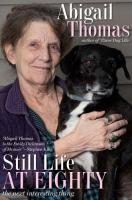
column 15, row 102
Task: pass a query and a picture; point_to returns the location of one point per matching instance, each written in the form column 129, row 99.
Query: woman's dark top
column 18, row 121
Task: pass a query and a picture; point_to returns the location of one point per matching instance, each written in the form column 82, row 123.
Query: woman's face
column 36, row 54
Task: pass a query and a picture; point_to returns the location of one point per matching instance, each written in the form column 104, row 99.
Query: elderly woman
column 33, row 41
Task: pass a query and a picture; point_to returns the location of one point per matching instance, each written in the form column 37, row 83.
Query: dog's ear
column 69, row 60
column 122, row 64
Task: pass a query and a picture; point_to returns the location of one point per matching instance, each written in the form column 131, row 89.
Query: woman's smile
column 42, row 67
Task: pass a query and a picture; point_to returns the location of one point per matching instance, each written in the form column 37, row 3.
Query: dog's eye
column 111, row 62
column 89, row 60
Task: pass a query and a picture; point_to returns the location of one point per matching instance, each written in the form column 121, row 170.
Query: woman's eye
column 54, row 48
column 33, row 44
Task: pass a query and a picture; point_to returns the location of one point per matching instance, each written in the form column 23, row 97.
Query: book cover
column 29, row 168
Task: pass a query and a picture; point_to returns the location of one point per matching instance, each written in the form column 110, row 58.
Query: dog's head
column 92, row 69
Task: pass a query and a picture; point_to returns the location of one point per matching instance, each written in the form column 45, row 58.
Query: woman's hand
column 95, row 135
column 92, row 133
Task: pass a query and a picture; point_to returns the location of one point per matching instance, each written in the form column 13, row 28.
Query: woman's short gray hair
column 22, row 15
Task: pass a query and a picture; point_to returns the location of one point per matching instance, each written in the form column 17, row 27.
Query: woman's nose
column 45, row 54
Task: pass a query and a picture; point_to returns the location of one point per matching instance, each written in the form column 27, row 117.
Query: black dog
column 91, row 85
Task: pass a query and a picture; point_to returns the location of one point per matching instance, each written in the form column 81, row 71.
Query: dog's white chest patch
column 85, row 159
column 73, row 119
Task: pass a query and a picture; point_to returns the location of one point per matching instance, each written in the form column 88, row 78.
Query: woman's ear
column 10, row 53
